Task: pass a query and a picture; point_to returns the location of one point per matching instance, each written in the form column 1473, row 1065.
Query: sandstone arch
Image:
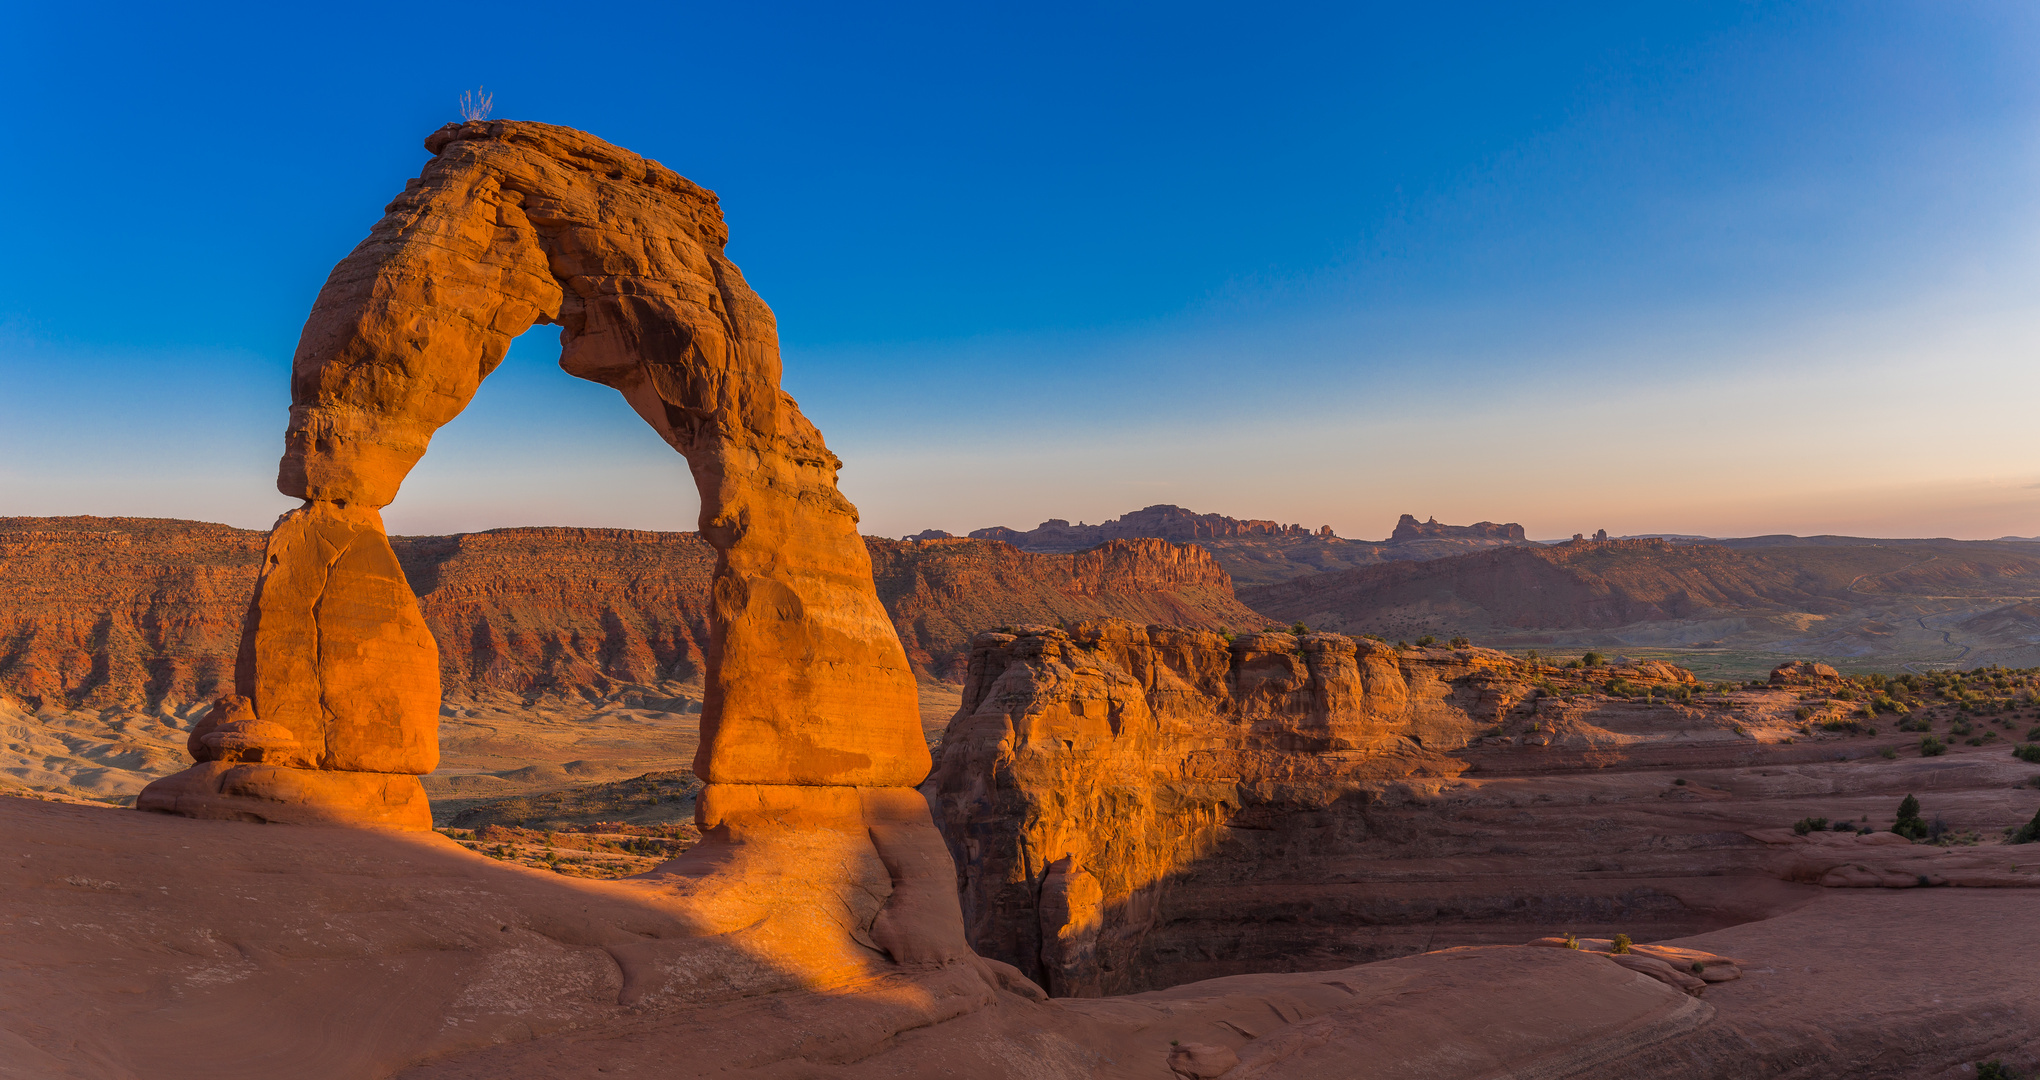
column 513, row 224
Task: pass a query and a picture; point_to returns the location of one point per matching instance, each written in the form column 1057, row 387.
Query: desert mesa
column 1174, row 795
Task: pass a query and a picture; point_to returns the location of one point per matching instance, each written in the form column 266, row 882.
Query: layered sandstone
column 143, row 615
column 942, row 592
column 1133, row 807
column 511, row 224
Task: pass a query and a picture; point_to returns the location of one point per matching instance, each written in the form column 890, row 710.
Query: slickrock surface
column 1132, row 807
column 403, row 955
column 555, row 645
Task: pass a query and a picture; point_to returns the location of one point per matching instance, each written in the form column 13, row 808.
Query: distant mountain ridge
column 1902, row 602
column 1256, row 551
column 1409, row 528
column 1161, row 521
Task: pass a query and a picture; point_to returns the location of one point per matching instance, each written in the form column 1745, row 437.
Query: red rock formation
column 574, row 613
column 1135, row 807
column 108, row 612
column 1408, row 528
column 1161, row 521
column 104, row 613
column 942, row 592
column 511, row 224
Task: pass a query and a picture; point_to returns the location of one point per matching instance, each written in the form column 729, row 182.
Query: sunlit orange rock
column 512, row 224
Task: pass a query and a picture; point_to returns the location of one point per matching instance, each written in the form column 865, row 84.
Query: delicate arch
column 512, row 224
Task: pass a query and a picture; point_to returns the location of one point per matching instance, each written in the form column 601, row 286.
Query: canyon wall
column 1134, row 807
column 101, row 613
column 943, row 592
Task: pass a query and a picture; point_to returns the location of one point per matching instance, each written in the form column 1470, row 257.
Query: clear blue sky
column 1720, row 268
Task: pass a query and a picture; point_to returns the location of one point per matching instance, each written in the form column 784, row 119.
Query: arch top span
column 513, row 224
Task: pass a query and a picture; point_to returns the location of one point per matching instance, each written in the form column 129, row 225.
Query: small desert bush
column 1459, row 642
column 1994, row 1070
column 1426, row 641
column 1889, row 753
column 1572, row 941
column 2028, row 832
column 1593, row 659
column 1620, row 944
column 1932, row 747
column 1803, row 713
column 1908, row 823
column 1810, row 824
column 1299, row 630
column 2027, row 752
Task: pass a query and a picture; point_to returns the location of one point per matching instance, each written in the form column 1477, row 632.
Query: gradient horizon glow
column 1725, row 269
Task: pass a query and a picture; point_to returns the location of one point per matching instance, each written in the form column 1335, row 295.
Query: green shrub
column 1426, row 641
column 1802, row 713
column 2028, row 832
column 1299, row 629
column 1932, row 747
column 2033, row 735
column 1889, row 753
column 1908, row 823
column 2028, row 752
column 1699, row 966
column 1459, row 642
column 1572, row 941
column 1620, row 944
column 1994, row 1070
column 1593, row 659
column 1810, row 824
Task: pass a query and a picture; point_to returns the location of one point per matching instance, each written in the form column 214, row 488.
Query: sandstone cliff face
column 1133, row 807
column 117, row 634
column 109, row 612
column 567, row 612
column 942, row 592
column 145, row 614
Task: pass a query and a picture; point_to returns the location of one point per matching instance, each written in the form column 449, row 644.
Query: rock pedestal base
column 235, row 791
